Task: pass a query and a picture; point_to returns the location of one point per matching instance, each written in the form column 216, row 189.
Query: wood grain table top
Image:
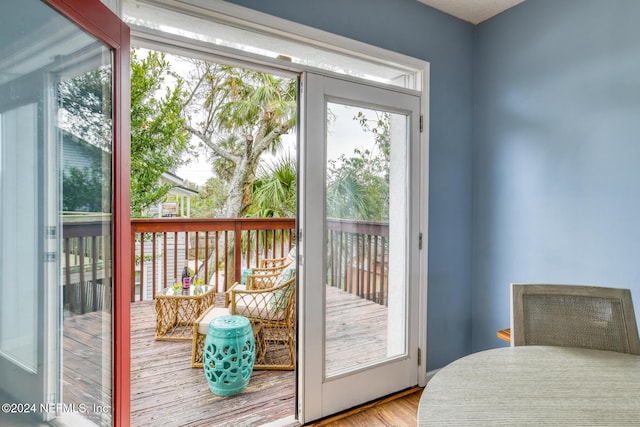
column 535, row 385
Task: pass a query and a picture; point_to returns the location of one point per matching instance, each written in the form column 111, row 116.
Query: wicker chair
column 574, row 316
column 272, row 315
column 269, row 273
column 200, row 329
column 260, row 278
column 274, row 262
column 264, row 278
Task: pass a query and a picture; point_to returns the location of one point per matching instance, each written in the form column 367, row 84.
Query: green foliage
column 356, row 189
column 274, row 190
column 211, row 198
column 86, row 103
column 358, row 186
column 158, row 134
column 85, row 118
column 82, row 190
column 380, row 128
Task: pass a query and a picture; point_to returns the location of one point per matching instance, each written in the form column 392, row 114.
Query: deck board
column 166, row 391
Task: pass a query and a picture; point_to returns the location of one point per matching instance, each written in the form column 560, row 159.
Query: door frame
column 99, row 21
column 255, row 20
column 320, row 396
column 97, row 18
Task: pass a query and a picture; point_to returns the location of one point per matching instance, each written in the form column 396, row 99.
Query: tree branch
column 268, row 139
column 217, row 150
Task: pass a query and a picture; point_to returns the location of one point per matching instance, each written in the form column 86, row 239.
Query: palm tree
column 357, row 187
column 274, row 190
column 239, row 115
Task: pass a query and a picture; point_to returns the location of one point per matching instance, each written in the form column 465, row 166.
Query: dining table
column 534, row 386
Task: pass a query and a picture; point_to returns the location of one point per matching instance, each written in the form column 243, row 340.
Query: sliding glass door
column 56, row 217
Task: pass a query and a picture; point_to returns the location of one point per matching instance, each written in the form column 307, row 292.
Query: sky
column 343, row 129
column 198, row 170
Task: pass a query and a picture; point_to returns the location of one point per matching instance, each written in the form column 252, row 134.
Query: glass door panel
column 55, row 220
column 18, row 214
column 359, row 246
column 366, row 229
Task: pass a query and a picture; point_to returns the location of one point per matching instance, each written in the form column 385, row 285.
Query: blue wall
column 408, row 27
column 557, row 152
column 534, row 147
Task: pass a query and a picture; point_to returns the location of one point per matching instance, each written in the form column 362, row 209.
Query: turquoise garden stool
column 229, row 354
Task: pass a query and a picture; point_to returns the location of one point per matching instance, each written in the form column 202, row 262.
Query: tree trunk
column 240, row 188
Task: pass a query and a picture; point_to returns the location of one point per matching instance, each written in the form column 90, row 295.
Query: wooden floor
column 399, row 410
column 166, row 391
column 87, row 363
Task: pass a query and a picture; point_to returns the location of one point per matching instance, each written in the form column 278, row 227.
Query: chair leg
column 260, row 347
column 278, row 348
column 197, row 349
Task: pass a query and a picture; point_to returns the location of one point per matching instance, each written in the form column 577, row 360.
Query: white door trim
column 320, row 395
column 252, row 19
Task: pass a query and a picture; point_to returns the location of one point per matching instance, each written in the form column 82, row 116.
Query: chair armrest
column 227, row 294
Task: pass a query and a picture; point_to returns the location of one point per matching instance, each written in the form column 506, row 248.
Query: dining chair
column 573, row 316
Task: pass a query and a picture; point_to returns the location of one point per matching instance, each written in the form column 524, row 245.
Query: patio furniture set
column 265, row 296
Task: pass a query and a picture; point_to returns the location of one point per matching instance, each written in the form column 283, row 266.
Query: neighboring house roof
column 177, row 185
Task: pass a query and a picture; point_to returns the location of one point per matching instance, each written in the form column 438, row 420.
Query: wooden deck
column 166, row 391
column 356, row 331
column 86, row 352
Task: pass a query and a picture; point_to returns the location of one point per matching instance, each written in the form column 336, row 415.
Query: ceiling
column 474, row 11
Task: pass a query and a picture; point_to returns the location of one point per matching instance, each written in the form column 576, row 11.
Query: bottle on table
column 186, row 279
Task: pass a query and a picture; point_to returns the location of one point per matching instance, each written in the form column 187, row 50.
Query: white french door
column 359, row 237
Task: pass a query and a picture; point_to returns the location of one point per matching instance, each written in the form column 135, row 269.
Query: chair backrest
column 573, row 316
column 280, row 262
column 264, row 278
column 274, row 262
column 276, row 304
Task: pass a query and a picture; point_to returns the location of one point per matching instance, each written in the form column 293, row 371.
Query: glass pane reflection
column 55, row 219
column 366, row 222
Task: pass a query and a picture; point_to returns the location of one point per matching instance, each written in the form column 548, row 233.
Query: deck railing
column 216, row 250
column 357, row 260
column 86, row 262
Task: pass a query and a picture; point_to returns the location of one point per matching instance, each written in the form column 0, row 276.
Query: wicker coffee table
column 177, row 310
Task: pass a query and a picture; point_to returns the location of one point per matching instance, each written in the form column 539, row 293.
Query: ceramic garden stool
column 229, row 354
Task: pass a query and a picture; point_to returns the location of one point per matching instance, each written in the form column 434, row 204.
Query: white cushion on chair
column 203, row 326
column 258, row 309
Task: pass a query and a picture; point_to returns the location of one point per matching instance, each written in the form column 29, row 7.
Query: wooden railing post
column 237, row 251
column 133, row 264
